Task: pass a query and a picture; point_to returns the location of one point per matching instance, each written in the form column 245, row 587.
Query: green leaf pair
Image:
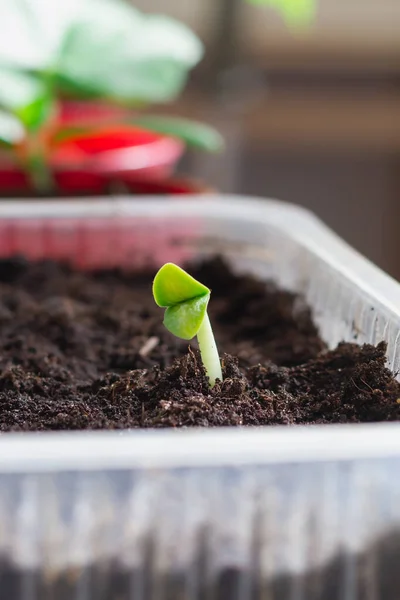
column 184, row 298
column 186, row 301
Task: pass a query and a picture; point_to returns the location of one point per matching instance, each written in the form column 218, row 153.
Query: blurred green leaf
column 114, row 51
column 192, row 133
column 146, row 82
column 38, row 112
column 33, row 31
column 25, row 96
column 295, row 12
column 11, row 130
column 90, row 49
column 17, row 89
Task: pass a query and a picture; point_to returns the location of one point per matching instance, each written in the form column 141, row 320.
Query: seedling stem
column 208, row 351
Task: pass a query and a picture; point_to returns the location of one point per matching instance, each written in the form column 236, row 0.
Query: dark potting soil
column 89, row 351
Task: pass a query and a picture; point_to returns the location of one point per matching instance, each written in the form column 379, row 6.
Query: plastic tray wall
column 323, row 527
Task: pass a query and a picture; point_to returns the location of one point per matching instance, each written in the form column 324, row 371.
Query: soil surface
column 89, row 351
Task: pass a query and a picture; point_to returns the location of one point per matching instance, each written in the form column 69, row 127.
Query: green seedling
column 185, row 300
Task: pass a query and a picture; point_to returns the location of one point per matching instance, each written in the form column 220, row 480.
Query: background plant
column 97, row 50
column 91, row 49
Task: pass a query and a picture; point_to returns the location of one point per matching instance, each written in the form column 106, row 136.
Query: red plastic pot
column 119, row 150
column 74, row 183
column 115, row 147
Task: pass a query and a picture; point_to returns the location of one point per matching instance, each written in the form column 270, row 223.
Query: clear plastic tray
column 262, row 514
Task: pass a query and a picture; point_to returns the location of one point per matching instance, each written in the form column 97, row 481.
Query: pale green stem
column 40, row 175
column 208, row 351
column 39, row 171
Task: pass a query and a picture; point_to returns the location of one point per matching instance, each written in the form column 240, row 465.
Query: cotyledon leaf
column 172, row 285
column 184, row 320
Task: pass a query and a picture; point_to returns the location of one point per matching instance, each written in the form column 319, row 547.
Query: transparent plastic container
column 297, row 513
